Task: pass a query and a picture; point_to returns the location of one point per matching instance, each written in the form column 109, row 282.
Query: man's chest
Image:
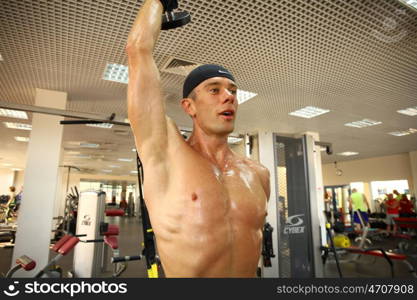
column 209, row 192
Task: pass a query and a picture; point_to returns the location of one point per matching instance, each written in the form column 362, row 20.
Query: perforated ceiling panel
column 357, row 58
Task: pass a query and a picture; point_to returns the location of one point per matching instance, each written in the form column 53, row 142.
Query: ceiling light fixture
column 82, row 156
column 339, row 172
column 348, row 153
column 363, row 123
column 89, row 145
column 119, row 73
column 116, row 72
column 125, row 159
column 10, row 113
column 243, row 96
column 20, row 126
column 411, row 111
column 309, row 112
column 399, row 133
column 404, row 132
column 410, row 3
column 234, row 140
column 101, row 125
column 72, row 152
column 21, row 139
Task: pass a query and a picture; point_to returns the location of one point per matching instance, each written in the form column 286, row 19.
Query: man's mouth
column 228, row 114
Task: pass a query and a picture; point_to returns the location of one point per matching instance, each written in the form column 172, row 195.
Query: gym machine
column 90, row 256
column 297, row 214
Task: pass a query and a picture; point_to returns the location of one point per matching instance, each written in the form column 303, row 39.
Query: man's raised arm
column 146, row 110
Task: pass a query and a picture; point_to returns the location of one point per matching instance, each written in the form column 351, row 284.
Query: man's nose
column 228, row 96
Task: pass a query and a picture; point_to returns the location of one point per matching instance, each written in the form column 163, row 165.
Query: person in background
column 392, row 207
column 328, row 203
column 397, row 195
column 9, row 205
column 18, row 199
column 113, row 201
column 406, row 207
column 359, row 204
column 123, row 204
column 12, row 196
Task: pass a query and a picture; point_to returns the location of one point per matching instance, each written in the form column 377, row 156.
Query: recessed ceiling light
column 243, row 96
column 21, row 126
column 21, row 139
column 309, row 112
column 89, row 145
column 348, row 153
column 101, row 125
column 411, row 111
column 10, row 113
column 234, row 140
column 125, row 159
column 133, row 149
column 72, row 152
column 363, row 123
column 113, row 166
column 107, row 171
column 116, row 72
column 82, row 156
column 134, row 172
column 399, row 133
column 410, row 3
column 16, row 169
column 119, row 73
column 404, row 132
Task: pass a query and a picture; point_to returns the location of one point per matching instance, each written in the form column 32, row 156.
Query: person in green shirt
column 397, row 196
column 358, row 204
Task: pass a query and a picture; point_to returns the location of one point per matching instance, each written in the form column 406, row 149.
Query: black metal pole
column 148, row 236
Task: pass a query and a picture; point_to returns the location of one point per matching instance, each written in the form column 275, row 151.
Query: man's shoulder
column 262, row 172
column 260, row 169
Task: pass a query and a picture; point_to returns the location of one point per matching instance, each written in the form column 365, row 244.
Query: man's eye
column 233, row 92
column 214, row 91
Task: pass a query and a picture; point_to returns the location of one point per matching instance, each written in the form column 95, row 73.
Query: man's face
column 215, row 105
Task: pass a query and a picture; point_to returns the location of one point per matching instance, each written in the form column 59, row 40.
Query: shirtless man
column 207, row 205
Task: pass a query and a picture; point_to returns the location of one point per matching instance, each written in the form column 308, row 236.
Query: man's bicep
column 146, row 109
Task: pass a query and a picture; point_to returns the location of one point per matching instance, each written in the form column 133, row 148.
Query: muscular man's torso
column 207, row 219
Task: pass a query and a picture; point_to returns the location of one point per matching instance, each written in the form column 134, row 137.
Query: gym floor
column 130, row 239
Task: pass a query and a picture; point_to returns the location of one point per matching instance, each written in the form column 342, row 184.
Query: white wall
column 392, row 167
column 240, row 148
column 6, row 180
column 19, row 180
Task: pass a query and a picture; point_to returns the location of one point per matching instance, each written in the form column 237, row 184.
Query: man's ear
column 188, row 106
